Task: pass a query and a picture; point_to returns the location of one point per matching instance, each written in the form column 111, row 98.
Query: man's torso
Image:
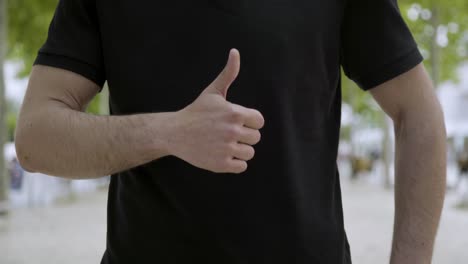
column 286, row 208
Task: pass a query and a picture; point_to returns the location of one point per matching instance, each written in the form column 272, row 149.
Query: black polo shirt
column 158, row 56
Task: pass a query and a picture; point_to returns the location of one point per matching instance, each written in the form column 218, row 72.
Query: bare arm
column 420, row 163
column 56, row 137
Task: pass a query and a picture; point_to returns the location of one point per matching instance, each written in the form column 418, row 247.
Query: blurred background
column 50, row 220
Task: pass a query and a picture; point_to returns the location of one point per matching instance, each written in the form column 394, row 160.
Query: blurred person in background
column 186, row 187
column 462, row 158
column 16, row 174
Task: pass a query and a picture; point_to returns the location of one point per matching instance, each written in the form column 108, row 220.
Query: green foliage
column 93, row 106
column 11, row 126
column 28, row 23
column 451, row 17
column 12, row 110
column 449, row 13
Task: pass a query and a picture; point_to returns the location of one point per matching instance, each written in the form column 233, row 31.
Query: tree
column 3, row 130
column 11, row 114
column 441, row 30
column 28, row 31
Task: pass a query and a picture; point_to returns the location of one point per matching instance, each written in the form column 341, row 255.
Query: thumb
column 221, row 84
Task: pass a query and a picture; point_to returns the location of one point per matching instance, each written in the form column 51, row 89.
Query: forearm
column 63, row 142
column 420, row 185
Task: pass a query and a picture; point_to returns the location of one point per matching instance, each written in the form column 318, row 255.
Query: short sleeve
column 74, row 41
column 376, row 44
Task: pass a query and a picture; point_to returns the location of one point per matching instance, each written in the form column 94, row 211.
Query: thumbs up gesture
column 214, row 134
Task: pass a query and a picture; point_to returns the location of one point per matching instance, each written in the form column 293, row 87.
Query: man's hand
column 214, row 134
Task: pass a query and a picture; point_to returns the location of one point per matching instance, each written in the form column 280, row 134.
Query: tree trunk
column 3, row 131
column 386, row 151
column 462, row 188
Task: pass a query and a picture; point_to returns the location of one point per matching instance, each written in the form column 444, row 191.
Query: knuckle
column 225, row 166
column 234, row 114
column 232, row 133
column 229, row 150
column 222, row 166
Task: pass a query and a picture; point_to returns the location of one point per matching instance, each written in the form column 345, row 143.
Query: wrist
column 161, row 130
column 171, row 132
column 411, row 255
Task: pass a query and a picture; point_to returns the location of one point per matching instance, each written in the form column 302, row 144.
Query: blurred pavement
column 368, row 213
column 75, row 233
